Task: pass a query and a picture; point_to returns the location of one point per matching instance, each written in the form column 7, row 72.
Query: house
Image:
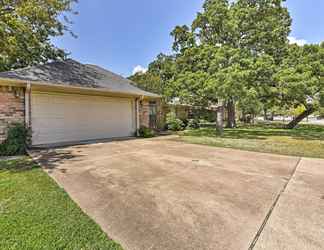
column 66, row 102
column 186, row 112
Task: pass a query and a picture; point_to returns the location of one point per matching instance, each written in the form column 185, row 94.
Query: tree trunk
column 231, row 119
column 244, row 119
column 272, row 116
column 220, row 120
column 265, row 115
column 300, row 117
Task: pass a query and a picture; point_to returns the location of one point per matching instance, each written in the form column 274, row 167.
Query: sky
column 124, row 36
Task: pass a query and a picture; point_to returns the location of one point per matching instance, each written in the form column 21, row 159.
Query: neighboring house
column 66, row 101
column 186, row 112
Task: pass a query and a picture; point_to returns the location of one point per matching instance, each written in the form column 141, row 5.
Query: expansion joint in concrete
column 273, row 206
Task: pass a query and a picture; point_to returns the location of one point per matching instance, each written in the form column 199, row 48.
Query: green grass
column 305, row 141
column 36, row 214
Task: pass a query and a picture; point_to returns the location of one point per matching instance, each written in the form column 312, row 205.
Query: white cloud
column 294, row 40
column 139, row 69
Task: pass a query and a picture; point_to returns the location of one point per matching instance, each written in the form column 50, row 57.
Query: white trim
column 54, row 92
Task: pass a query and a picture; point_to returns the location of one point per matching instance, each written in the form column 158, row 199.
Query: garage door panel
column 60, row 118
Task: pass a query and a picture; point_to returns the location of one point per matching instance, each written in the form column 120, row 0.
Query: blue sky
column 120, row 35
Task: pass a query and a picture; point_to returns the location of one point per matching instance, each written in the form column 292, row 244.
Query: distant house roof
column 73, row 73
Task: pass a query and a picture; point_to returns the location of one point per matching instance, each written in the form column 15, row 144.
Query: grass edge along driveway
column 35, row 213
column 304, row 141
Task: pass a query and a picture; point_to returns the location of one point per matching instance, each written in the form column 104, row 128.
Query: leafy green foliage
column 297, row 111
column 193, row 124
column 16, row 142
column 174, row 123
column 148, row 82
column 189, row 87
column 157, row 78
column 183, row 38
column 300, row 80
column 26, row 29
column 163, row 66
column 236, row 54
column 250, row 104
column 301, row 76
column 321, row 99
column 230, row 53
column 145, row 132
column 259, row 26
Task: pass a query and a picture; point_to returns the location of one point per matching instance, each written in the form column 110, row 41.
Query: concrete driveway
column 163, row 194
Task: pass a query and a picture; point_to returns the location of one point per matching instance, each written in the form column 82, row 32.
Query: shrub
column 193, row 124
column 185, row 122
column 16, row 142
column 145, row 132
column 173, row 123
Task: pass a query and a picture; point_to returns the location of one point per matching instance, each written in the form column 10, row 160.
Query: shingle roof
column 73, row 73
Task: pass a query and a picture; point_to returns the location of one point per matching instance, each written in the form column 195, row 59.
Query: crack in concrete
column 266, row 219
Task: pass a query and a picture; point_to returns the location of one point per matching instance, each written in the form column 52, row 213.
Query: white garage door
column 58, row 118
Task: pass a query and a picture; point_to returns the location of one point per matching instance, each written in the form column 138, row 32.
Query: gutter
column 137, row 105
column 28, row 105
column 36, row 84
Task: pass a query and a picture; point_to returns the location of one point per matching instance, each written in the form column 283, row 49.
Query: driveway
column 163, row 194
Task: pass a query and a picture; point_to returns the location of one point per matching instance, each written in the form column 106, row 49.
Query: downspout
column 137, row 116
column 27, row 106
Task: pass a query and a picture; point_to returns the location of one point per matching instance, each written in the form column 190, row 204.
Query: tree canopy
column 300, row 79
column 158, row 75
column 237, row 53
column 236, row 45
column 26, row 29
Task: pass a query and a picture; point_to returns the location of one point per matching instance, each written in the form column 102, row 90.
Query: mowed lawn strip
column 304, row 141
column 37, row 214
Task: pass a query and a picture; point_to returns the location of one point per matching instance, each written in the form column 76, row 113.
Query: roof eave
column 12, row 82
column 47, row 86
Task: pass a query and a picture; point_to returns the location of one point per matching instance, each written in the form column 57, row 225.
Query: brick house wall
column 144, row 114
column 12, row 108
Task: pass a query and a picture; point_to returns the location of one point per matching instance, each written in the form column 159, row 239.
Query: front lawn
column 36, row 214
column 306, row 140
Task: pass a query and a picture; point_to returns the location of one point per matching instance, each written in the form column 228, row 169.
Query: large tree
column 157, row 77
column 26, row 29
column 148, row 82
column 209, row 74
column 241, row 34
column 301, row 80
